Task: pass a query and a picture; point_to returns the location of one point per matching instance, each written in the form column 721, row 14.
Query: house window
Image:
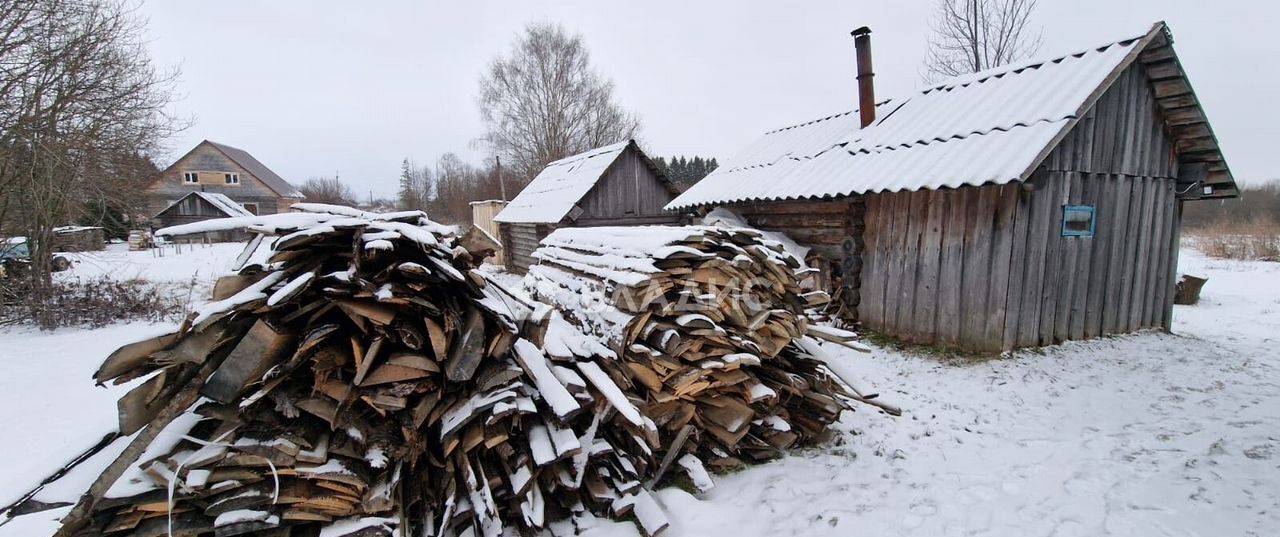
column 231, row 178
column 190, row 177
column 1077, row 220
column 251, row 207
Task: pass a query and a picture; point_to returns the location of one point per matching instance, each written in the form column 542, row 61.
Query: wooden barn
column 1021, row 206
column 200, row 206
column 615, row 185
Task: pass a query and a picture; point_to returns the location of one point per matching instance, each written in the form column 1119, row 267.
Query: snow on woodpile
column 722, row 217
column 364, row 378
column 708, row 326
column 338, row 388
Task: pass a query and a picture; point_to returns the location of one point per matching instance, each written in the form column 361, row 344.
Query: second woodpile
column 359, row 376
column 710, row 324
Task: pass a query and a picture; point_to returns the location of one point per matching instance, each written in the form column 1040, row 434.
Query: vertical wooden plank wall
column 629, row 193
column 987, row 268
column 932, row 273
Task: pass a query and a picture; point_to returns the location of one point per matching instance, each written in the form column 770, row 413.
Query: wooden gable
column 631, row 191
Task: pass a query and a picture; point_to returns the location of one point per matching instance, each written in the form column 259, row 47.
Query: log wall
column 519, row 241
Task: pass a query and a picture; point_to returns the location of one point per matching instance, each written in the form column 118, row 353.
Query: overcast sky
column 316, row 88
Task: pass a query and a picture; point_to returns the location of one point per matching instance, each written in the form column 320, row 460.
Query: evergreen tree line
column 686, row 171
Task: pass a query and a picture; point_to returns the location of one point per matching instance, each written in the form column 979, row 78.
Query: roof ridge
column 989, row 132
column 967, row 79
column 262, row 172
column 593, row 152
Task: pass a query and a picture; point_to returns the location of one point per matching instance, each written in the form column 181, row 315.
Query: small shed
column 199, row 206
column 1020, row 206
column 614, row 185
column 482, row 214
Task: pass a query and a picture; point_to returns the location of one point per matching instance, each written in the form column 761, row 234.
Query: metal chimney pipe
column 866, row 86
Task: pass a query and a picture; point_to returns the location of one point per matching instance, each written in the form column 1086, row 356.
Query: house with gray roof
column 1020, row 206
column 226, row 171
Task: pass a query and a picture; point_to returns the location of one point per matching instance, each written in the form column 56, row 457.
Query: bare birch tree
column 543, row 102
column 80, row 107
column 974, row 35
column 328, row 190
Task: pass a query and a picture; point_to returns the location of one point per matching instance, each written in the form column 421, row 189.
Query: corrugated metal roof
column 259, row 170
column 987, row 127
column 552, row 194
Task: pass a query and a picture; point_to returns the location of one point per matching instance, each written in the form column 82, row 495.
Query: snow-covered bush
column 93, row 303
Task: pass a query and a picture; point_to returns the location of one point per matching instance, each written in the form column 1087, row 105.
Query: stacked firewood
column 710, row 326
column 359, row 377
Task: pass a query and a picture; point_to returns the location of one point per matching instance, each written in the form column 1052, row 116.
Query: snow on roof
column 221, row 202
column 224, row 204
column 553, row 193
column 73, row 229
column 986, row 127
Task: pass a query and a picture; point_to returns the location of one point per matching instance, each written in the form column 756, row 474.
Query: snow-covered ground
column 185, row 271
column 1146, row 435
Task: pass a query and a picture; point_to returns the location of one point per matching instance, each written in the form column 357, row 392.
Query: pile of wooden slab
column 357, row 376
column 710, row 326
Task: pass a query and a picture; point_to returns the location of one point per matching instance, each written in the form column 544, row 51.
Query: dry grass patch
column 1254, row 240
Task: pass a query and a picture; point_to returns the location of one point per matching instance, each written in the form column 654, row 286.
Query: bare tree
column 81, row 108
column 328, row 190
column 973, row 35
column 544, row 102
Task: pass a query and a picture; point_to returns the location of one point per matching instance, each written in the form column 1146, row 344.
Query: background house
column 614, row 185
column 221, row 169
column 1021, row 206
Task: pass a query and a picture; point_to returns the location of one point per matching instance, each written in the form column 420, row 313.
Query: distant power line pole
column 502, row 184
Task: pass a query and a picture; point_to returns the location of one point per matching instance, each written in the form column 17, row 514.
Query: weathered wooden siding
column 520, row 240
column 482, row 213
column 986, row 268
column 629, row 193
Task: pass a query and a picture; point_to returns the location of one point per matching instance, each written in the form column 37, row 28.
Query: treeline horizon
column 1257, row 204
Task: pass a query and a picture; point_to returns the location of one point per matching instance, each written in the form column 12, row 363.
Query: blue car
column 15, row 255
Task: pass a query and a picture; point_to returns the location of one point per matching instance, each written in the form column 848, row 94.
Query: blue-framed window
column 1078, row 220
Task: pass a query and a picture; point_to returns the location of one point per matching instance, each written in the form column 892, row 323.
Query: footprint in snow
column 1260, row 452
